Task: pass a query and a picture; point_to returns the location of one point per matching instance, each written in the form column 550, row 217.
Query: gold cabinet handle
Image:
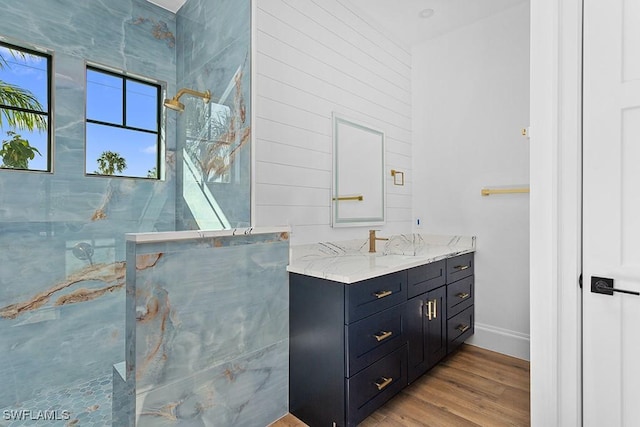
column 382, row 294
column 461, row 267
column 432, row 309
column 463, row 295
column 463, row 328
column 383, row 335
column 383, row 383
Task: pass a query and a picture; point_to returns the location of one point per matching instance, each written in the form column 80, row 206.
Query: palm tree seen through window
column 24, row 108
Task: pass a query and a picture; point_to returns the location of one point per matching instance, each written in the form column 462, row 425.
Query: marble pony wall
column 208, row 328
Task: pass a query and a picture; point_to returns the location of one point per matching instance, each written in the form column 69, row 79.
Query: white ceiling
column 401, row 18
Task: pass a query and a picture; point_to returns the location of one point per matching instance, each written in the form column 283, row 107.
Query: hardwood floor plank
column 472, row 387
column 471, row 381
column 480, row 385
column 461, row 408
column 288, row 421
column 411, row 409
column 491, row 369
column 376, row 419
column 498, row 357
column 391, row 421
column 467, row 404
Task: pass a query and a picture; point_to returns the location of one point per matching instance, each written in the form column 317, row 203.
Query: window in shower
column 25, row 108
column 123, row 125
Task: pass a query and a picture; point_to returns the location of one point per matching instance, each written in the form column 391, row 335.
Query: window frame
column 47, row 113
column 124, row 76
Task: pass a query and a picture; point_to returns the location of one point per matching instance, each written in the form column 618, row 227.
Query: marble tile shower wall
column 62, row 318
column 214, row 53
column 208, row 329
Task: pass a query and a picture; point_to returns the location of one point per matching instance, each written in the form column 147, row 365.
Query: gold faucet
column 372, row 240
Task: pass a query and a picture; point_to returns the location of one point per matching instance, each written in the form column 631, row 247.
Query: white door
column 611, row 209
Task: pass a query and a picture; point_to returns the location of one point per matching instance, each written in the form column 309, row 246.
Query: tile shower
column 62, row 234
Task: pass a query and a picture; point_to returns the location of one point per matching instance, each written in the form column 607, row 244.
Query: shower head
column 176, row 105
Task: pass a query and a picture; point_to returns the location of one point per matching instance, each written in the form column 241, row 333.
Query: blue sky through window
column 30, row 73
column 138, row 149
column 105, row 104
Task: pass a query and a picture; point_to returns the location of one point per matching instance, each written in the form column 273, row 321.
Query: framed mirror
column 358, row 191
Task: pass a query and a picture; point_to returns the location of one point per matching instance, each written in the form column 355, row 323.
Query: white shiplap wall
column 311, row 58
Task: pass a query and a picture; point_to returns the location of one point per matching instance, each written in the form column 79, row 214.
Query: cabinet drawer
column 374, row 337
column 459, row 296
column 459, row 328
column 372, row 387
column 426, row 277
column 370, row 296
column 459, row 267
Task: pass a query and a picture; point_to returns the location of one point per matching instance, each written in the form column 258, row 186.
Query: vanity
column 363, row 326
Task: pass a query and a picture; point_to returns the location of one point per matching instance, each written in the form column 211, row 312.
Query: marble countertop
column 168, row 236
column 349, row 261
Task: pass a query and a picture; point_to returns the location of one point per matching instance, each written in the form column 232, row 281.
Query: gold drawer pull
column 463, row 295
column 384, row 383
column 463, row 328
column 382, row 294
column 461, row 267
column 383, row 335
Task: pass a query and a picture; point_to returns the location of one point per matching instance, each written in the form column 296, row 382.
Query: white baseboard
column 503, row 341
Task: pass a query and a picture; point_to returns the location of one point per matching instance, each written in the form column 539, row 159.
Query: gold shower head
column 176, row 105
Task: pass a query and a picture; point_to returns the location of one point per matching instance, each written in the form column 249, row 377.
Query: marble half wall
column 207, row 327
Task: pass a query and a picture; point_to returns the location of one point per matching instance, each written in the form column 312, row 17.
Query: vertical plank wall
column 313, row 58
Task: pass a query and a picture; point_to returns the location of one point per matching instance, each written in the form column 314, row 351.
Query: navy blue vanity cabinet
column 426, row 317
column 427, row 331
column 460, row 299
column 459, row 267
column 347, row 347
column 354, row 346
column 316, row 350
column 426, row 277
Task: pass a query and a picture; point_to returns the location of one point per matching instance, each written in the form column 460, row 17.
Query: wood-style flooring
column 472, row 387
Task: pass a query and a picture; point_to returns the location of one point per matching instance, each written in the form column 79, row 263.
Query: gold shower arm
column 206, row 95
column 176, row 105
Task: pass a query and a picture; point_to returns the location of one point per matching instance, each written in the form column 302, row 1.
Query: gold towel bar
column 489, row 191
column 360, row 198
